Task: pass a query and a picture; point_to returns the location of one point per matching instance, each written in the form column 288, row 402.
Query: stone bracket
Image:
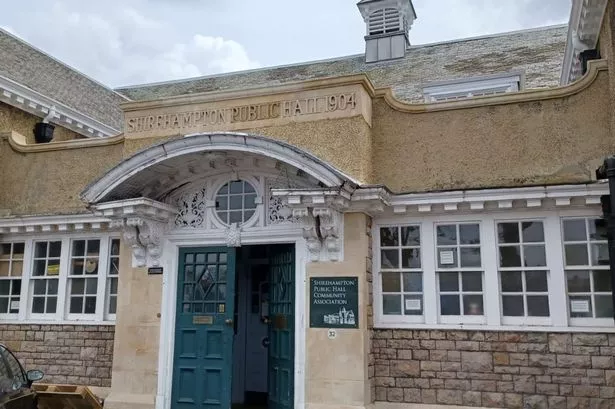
column 322, row 230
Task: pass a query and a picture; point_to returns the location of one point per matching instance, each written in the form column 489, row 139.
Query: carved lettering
column 244, row 113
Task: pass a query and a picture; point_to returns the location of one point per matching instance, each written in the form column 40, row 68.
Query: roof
column 538, row 53
column 31, row 67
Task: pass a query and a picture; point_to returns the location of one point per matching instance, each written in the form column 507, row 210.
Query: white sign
column 447, row 257
column 14, row 305
column 579, row 306
column 332, row 334
column 413, row 305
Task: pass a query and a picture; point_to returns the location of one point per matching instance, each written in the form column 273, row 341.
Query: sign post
column 334, row 302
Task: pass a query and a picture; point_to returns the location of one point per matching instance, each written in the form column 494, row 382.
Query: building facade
column 413, row 227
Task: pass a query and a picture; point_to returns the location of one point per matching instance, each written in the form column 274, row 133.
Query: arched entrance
column 191, row 206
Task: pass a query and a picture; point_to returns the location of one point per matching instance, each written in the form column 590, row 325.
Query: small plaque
column 14, row 305
column 579, row 306
column 203, row 319
column 154, row 270
column 447, row 257
column 413, row 305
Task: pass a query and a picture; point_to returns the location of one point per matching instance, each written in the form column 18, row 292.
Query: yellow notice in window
column 53, row 269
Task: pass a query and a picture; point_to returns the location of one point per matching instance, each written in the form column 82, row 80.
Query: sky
column 126, row 42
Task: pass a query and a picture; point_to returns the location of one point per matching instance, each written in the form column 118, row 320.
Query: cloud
column 124, row 46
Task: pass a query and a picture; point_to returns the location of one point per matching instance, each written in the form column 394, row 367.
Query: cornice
column 35, row 103
column 218, row 96
column 18, row 143
column 53, row 224
column 594, row 69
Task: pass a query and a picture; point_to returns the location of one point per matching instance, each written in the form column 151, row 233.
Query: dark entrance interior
column 235, row 328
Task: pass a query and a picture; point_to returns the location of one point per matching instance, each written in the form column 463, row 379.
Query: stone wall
column 67, row 354
column 495, row 369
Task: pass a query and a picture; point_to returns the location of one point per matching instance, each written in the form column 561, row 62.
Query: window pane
column 38, row 305
column 77, row 286
column 250, row 202
column 447, row 258
column 600, row 254
column 533, row 232
column 236, row 187
column 446, row 234
column 235, row 202
column 581, row 307
column 410, row 236
column 449, row 305
column 55, row 248
column 90, row 305
column 391, row 283
column 51, row 305
column 576, row 254
column 115, row 247
column 52, row 286
column 77, row 266
column 578, row 281
column 449, row 281
column 470, row 257
column 604, row 306
column 411, row 258
column 4, row 268
column 113, row 305
column 469, row 234
column 40, row 250
column 391, row 304
column 472, row 281
column 5, row 287
column 222, row 203
column 16, row 287
column 508, row 232
column 16, row 268
column 5, row 250
column 413, row 305
column 247, row 188
column 18, row 250
column 4, row 305
column 91, row 286
column 114, row 268
column 597, row 229
column 40, row 286
column 473, row 305
column 602, row 280
column 413, row 282
column 538, row 305
column 389, row 236
column 389, row 258
column 536, row 281
column 78, row 248
column 93, row 247
column 512, row 305
column 76, row 305
column 574, row 230
column 510, row 256
column 534, row 256
column 235, row 217
column 39, row 268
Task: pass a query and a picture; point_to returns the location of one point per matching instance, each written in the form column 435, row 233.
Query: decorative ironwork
column 191, row 209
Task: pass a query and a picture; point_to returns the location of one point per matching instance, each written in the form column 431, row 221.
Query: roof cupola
column 388, row 23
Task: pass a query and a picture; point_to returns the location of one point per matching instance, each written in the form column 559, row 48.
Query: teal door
column 282, row 327
column 204, row 329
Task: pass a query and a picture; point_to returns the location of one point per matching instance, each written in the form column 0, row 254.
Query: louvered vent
column 384, row 21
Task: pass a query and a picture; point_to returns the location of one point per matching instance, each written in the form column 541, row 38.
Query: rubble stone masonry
column 514, row 370
column 67, row 354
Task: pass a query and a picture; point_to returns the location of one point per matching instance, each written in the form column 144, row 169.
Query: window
column 523, row 270
column 384, row 21
column 472, row 87
column 113, row 273
column 459, row 272
column 83, row 276
column 236, row 202
column 11, row 271
column 586, row 260
column 401, row 273
column 45, row 272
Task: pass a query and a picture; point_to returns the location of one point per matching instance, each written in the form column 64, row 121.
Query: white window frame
column 552, row 219
column 61, row 316
column 32, row 279
column 578, row 321
column 109, row 316
column 454, row 90
column 10, row 315
column 462, row 318
column 525, row 320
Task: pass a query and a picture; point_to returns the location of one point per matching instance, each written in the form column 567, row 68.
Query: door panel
column 204, row 328
column 282, row 327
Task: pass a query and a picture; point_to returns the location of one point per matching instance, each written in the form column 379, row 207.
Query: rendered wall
column 542, row 142
column 13, row 119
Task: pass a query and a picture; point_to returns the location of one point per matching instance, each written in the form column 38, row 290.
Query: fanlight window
column 384, row 21
column 236, row 202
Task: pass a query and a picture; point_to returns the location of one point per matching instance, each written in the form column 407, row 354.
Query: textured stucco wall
column 543, row 142
column 13, row 119
column 50, row 182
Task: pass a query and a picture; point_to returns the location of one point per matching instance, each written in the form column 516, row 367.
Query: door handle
column 229, row 322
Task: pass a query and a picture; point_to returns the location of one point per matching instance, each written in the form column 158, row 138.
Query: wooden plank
column 53, row 396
